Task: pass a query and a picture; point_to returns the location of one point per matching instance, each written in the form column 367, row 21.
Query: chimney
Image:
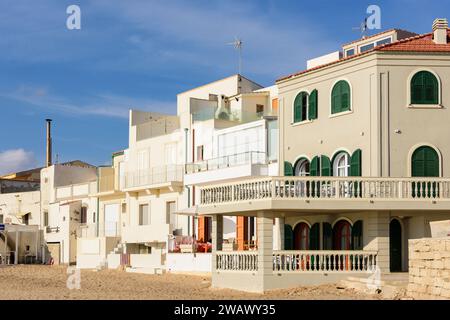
column 440, row 27
column 49, row 142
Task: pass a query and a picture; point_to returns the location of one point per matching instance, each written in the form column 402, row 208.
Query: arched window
column 342, row 231
column 302, row 167
column 301, row 107
column 301, row 236
column 341, row 164
column 425, row 162
column 424, row 88
column 340, row 97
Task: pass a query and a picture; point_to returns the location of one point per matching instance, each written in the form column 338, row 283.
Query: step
column 145, row 270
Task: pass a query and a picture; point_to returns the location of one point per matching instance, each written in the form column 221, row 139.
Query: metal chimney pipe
column 49, row 142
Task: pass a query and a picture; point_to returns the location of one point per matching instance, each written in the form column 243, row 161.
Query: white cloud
column 14, row 160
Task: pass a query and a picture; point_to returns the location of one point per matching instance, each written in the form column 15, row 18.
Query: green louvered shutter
column 340, row 97
column 327, row 236
column 314, row 237
column 325, row 166
column 313, row 102
column 335, row 100
column 424, row 88
column 297, row 108
column 355, row 164
column 314, row 170
column 357, row 243
column 288, row 170
column 288, row 237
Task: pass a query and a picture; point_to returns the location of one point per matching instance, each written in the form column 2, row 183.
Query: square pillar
column 278, row 231
column 265, row 249
column 217, row 238
column 378, row 238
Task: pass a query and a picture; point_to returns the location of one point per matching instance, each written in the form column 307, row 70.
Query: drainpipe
column 186, row 130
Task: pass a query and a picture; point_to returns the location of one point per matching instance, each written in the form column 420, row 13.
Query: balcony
column 325, row 193
column 79, row 190
column 246, row 164
column 156, row 178
column 235, row 116
column 146, row 233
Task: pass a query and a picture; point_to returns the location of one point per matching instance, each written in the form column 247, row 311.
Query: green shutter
column 357, row 243
column 313, row 102
column 424, row 88
column 315, row 167
column 326, row 166
column 314, row 236
column 299, row 107
column 288, row 237
column 288, row 170
column 425, row 162
column 355, row 164
column 340, row 97
column 327, row 236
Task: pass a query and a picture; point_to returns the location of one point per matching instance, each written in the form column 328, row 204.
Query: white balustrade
column 300, row 261
column 153, row 176
column 237, row 261
column 324, row 261
column 327, row 188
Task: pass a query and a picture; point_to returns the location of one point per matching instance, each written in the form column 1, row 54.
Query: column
column 278, row 243
column 16, row 254
column 217, row 237
column 378, row 237
column 265, row 249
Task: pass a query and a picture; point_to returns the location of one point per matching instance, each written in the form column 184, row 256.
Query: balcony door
column 395, row 246
column 111, row 220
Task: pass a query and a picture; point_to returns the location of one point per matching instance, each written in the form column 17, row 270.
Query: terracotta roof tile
column 419, row 43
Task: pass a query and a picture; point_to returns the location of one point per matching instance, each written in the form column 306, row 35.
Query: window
column 340, row 97
column 383, row 41
column 302, row 167
column 124, row 208
column 1, row 218
column 341, row 165
column 301, row 107
column 45, row 218
column 301, row 236
column 425, row 162
column 424, row 88
column 83, row 217
column 199, row 153
column 144, row 216
column 350, row 52
column 366, row 47
column 26, row 219
column 171, row 216
column 260, row 110
column 342, row 235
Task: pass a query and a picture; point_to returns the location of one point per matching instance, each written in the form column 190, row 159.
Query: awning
column 21, row 214
column 192, row 211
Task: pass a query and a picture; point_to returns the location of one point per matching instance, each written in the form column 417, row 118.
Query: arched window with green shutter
column 425, row 163
column 340, row 97
column 424, row 88
column 288, row 170
column 312, row 105
column 301, row 107
column 315, row 167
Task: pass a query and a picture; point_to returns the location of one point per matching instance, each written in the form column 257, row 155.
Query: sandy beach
column 49, row 282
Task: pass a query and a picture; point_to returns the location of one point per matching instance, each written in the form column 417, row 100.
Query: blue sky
column 140, row 54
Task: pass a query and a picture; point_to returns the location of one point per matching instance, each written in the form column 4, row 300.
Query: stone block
column 447, row 264
column 438, row 264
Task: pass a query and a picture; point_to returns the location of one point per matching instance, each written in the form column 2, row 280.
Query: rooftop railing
column 153, row 176
column 239, row 159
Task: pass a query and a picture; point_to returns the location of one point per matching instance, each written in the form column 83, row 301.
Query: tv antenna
column 362, row 28
column 237, row 44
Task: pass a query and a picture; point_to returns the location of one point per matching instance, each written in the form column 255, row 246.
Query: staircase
column 391, row 286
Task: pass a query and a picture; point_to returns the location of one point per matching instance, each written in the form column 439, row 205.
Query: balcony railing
column 239, row 159
column 76, row 190
column 300, row 261
column 154, row 176
column 327, row 188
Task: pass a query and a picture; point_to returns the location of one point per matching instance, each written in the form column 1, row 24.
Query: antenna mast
column 237, row 44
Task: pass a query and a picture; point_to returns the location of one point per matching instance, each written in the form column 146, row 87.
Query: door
column 54, row 250
column 111, row 220
column 395, row 246
column 425, row 163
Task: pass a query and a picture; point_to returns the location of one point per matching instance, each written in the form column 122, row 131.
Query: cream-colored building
column 363, row 138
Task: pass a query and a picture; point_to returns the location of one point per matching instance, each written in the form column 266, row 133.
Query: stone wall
column 429, row 268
